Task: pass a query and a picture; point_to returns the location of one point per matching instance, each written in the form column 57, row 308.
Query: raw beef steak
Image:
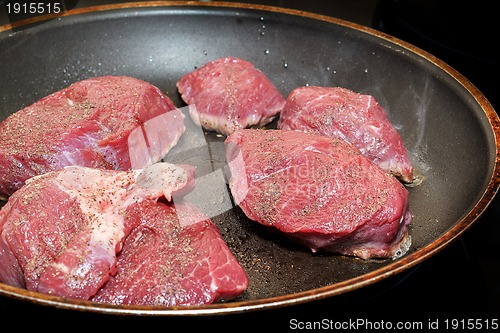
column 228, row 94
column 320, row 191
column 179, row 257
column 98, row 122
column 60, row 232
column 341, row 113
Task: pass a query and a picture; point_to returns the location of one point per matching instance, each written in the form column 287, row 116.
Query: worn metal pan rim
column 390, row 269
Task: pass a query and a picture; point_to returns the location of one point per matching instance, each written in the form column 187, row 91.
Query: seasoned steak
column 359, row 119
column 175, row 256
column 228, row 94
column 320, row 191
column 61, row 231
column 108, row 122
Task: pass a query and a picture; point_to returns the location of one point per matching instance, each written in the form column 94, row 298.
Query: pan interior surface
column 449, row 136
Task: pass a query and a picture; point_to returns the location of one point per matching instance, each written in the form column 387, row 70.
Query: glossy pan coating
column 451, row 131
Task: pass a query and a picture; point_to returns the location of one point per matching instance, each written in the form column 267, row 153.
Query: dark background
column 460, row 282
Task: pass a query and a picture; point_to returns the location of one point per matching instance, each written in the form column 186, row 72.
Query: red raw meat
column 320, row 191
column 176, row 256
column 60, row 232
column 358, row 119
column 229, row 94
column 98, row 122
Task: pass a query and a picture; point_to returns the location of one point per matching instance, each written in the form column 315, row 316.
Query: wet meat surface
column 319, row 191
column 356, row 118
column 229, row 94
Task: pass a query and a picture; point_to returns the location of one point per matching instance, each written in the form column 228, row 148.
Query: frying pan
column 449, row 128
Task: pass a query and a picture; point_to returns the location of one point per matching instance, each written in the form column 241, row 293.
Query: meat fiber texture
column 68, row 232
column 319, row 191
column 108, row 122
column 356, row 118
column 179, row 257
column 229, row 94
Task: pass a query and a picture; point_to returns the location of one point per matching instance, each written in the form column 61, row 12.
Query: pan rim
column 345, row 286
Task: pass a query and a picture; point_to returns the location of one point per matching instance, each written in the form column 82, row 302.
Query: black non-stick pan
column 450, row 130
